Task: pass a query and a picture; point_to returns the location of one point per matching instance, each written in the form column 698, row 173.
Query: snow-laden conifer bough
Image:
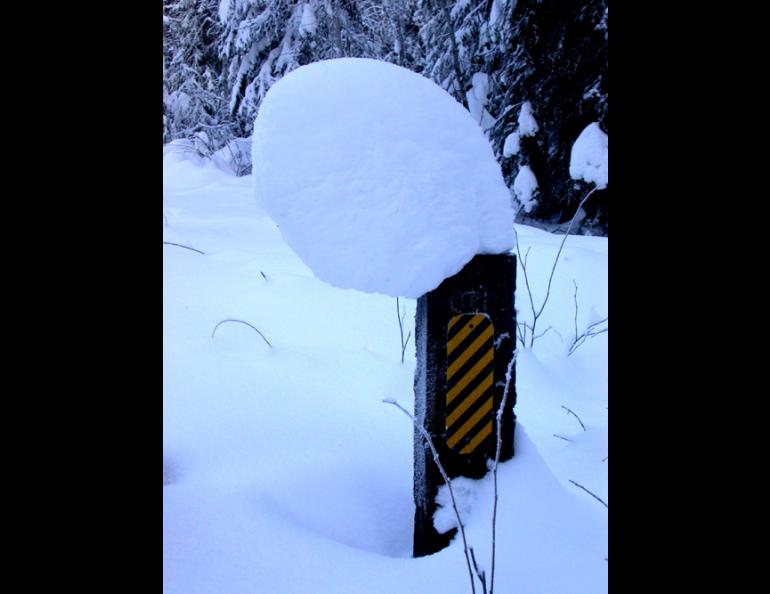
column 377, row 178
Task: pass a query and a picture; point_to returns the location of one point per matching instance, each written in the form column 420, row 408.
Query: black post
column 465, row 336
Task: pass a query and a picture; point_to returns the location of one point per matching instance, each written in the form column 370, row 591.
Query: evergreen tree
column 552, row 55
column 453, row 34
column 533, row 73
column 193, row 102
column 265, row 39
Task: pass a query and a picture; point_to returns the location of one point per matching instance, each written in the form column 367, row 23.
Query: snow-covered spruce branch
column 538, row 311
column 187, row 247
column 426, row 436
column 244, row 323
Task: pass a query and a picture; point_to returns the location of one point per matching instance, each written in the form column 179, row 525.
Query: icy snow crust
column 377, row 178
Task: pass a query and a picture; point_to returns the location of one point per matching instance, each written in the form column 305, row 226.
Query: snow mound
column 589, row 159
column 377, row 178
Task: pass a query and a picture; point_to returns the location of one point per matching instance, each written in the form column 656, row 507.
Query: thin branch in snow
column 590, row 332
column 538, row 311
column 520, row 334
column 187, row 247
column 481, row 574
column 561, row 246
column 401, row 328
column 562, row 437
column 241, row 322
column 426, row 436
column 589, row 492
column 573, row 414
column 499, row 418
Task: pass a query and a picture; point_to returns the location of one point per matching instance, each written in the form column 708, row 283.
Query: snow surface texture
column 377, row 178
column 285, row 473
column 524, row 186
column 589, row 159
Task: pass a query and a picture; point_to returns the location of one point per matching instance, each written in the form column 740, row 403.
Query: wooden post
column 465, row 336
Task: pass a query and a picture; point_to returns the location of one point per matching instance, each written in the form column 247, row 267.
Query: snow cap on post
column 377, row 178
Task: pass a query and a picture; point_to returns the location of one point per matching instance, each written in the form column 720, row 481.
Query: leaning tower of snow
column 377, row 178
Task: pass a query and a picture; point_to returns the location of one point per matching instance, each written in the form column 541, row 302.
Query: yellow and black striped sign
column 470, row 375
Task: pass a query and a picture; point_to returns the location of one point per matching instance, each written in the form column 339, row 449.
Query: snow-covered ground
column 283, row 470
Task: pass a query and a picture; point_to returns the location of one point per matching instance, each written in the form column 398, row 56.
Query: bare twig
column 543, row 333
column 480, row 574
column 561, row 246
column 562, row 437
column 520, row 334
column 263, row 275
column 187, row 247
column 589, row 492
column 523, row 263
column 497, row 461
column 241, row 322
column 401, row 328
column 538, row 311
column 573, row 414
column 426, row 436
column 590, row 332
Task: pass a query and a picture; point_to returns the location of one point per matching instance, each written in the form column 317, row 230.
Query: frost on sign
column 377, row 178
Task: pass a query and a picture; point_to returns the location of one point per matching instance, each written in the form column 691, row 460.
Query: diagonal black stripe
column 467, row 341
column 456, row 428
column 472, row 433
column 459, row 325
column 489, row 368
column 471, row 411
column 468, row 365
column 474, row 429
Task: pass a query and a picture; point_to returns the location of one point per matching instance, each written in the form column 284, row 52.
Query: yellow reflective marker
column 470, row 381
